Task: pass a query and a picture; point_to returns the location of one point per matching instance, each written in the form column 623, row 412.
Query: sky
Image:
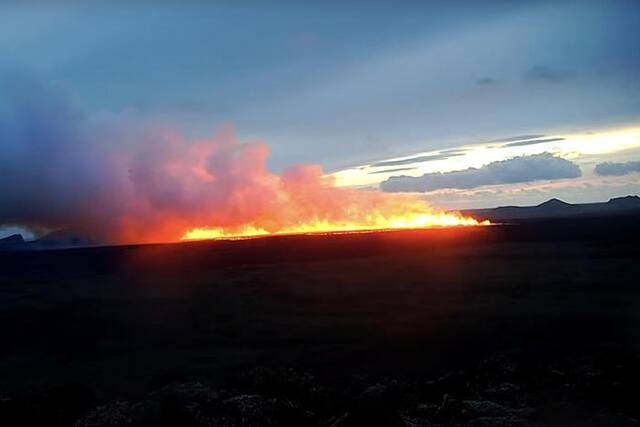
column 459, row 101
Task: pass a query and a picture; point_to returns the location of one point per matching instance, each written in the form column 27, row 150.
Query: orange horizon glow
column 376, row 222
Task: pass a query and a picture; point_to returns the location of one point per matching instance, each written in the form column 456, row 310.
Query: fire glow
column 374, row 223
column 151, row 185
column 238, row 197
column 226, row 191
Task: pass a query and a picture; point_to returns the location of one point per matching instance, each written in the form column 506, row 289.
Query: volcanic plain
column 529, row 323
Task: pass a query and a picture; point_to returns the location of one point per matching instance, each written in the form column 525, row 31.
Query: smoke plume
column 119, row 180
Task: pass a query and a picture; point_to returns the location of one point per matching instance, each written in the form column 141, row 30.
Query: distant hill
column 55, row 240
column 62, row 240
column 14, row 239
column 556, row 208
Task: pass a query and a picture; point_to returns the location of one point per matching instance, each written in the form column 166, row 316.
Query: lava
column 118, row 181
column 429, row 219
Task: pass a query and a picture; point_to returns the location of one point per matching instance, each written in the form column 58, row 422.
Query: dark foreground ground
column 530, row 324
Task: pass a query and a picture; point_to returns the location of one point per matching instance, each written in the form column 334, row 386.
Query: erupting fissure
column 226, row 191
column 374, row 223
column 120, row 181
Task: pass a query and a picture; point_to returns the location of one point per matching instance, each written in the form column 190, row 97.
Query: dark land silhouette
column 556, row 208
column 55, row 240
column 534, row 322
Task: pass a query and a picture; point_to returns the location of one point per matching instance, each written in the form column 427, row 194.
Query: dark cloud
column 517, row 138
column 532, row 142
column 454, row 151
column 430, row 158
column 617, row 169
column 486, row 81
column 537, row 167
column 392, row 170
column 544, row 74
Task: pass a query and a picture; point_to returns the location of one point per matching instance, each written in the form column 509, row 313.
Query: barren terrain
column 525, row 324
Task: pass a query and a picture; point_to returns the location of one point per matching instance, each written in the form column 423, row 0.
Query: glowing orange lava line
column 415, row 221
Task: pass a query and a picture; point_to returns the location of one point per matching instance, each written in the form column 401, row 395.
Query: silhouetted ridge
column 625, row 201
column 12, row 239
column 556, row 208
column 64, row 239
column 554, row 203
column 56, row 240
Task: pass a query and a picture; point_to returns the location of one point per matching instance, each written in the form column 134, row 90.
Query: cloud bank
column 429, row 158
column 517, row 138
column 532, row 142
column 392, row 170
column 537, row 167
column 617, row 169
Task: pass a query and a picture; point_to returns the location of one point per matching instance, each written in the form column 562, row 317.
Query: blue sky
column 347, row 84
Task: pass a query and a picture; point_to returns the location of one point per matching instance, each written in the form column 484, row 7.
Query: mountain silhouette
column 556, row 208
column 63, row 239
column 14, row 239
column 554, row 204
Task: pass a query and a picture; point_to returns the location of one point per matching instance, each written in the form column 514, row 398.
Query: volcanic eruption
column 120, row 181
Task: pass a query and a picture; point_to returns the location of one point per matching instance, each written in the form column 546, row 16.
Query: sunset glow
column 581, row 146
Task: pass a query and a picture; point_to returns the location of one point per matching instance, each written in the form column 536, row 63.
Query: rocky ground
column 508, row 389
column 535, row 324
